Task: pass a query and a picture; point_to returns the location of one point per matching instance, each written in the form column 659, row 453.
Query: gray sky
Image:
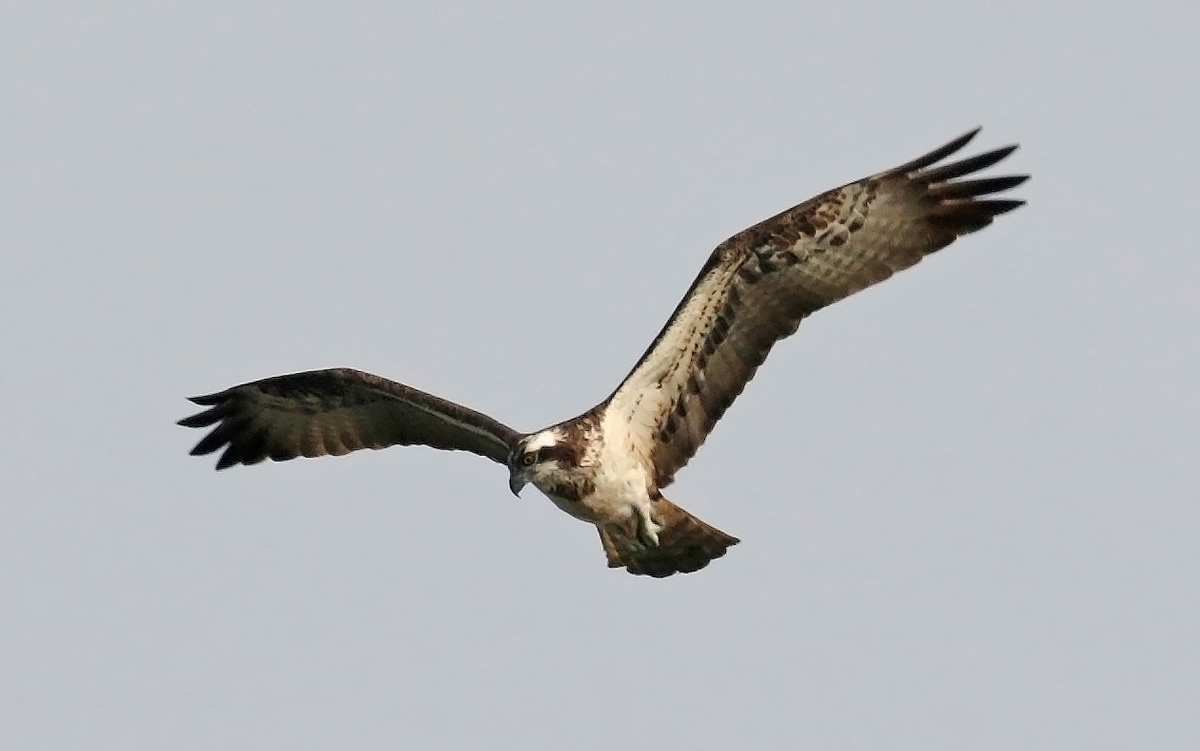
column 966, row 497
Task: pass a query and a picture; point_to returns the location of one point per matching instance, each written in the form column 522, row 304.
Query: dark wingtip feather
column 228, row 458
column 963, row 217
column 979, row 187
column 966, row 166
column 199, row 420
column 938, row 154
column 211, row 442
column 1000, row 206
column 207, row 400
column 208, row 417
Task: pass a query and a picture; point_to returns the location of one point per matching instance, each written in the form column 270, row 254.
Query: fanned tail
column 685, row 544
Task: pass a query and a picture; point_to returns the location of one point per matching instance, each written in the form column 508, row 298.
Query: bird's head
column 538, row 457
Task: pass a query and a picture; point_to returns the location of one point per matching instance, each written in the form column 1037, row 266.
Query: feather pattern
column 333, row 412
column 758, row 286
column 607, row 466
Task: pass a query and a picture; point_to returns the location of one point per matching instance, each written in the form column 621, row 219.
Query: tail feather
column 685, row 543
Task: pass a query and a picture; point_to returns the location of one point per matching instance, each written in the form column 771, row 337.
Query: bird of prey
column 609, row 465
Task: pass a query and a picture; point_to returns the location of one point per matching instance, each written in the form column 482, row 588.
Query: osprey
column 609, row 465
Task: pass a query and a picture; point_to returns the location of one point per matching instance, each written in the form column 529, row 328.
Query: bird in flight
column 608, row 466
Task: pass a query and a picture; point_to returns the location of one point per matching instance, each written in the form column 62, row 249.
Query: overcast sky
column 967, row 497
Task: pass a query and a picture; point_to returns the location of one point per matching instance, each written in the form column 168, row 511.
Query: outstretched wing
column 334, row 412
column 759, row 284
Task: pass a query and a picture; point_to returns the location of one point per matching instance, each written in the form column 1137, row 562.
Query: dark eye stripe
column 560, row 452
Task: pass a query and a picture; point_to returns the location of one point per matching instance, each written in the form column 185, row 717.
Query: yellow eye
column 528, row 459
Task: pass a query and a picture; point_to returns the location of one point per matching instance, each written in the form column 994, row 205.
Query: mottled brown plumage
column 758, row 286
column 608, row 466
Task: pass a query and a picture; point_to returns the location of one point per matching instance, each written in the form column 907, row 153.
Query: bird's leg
column 647, row 528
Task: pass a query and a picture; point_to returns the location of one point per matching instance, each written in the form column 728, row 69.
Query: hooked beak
column 516, row 481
